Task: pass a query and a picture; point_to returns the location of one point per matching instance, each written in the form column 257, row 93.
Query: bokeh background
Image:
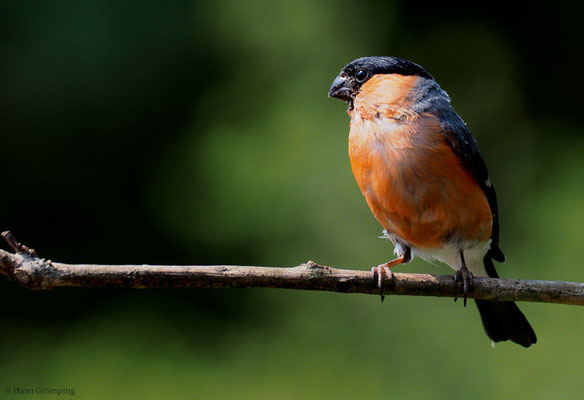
column 199, row 132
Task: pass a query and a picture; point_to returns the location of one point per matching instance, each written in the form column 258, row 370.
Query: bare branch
column 30, row 271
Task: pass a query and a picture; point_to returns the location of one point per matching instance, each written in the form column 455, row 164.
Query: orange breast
column 415, row 184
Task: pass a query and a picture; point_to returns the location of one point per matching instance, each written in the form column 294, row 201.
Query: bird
column 424, row 179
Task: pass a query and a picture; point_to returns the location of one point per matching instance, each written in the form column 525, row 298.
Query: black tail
column 503, row 320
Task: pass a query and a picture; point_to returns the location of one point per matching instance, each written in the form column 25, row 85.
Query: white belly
column 449, row 255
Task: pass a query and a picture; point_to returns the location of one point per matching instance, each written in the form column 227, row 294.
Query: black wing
column 466, row 148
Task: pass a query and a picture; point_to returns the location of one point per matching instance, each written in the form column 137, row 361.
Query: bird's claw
column 466, row 277
column 381, row 270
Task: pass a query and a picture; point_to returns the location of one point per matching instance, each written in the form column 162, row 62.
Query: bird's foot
column 466, row 277
column 382, row 269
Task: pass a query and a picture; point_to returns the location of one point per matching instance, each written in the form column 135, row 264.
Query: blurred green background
column 199, row 132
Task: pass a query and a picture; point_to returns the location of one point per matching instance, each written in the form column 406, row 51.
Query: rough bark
column 27, row 269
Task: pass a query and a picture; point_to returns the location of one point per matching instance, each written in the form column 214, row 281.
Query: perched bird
column 424, row 179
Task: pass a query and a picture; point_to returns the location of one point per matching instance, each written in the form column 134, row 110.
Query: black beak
column 339, row 90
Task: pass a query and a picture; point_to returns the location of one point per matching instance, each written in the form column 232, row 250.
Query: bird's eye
column 361, row 75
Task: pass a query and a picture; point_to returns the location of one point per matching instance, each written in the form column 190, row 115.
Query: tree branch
column 26, row 268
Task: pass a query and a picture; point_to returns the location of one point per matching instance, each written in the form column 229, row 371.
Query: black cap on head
column 385, row 65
